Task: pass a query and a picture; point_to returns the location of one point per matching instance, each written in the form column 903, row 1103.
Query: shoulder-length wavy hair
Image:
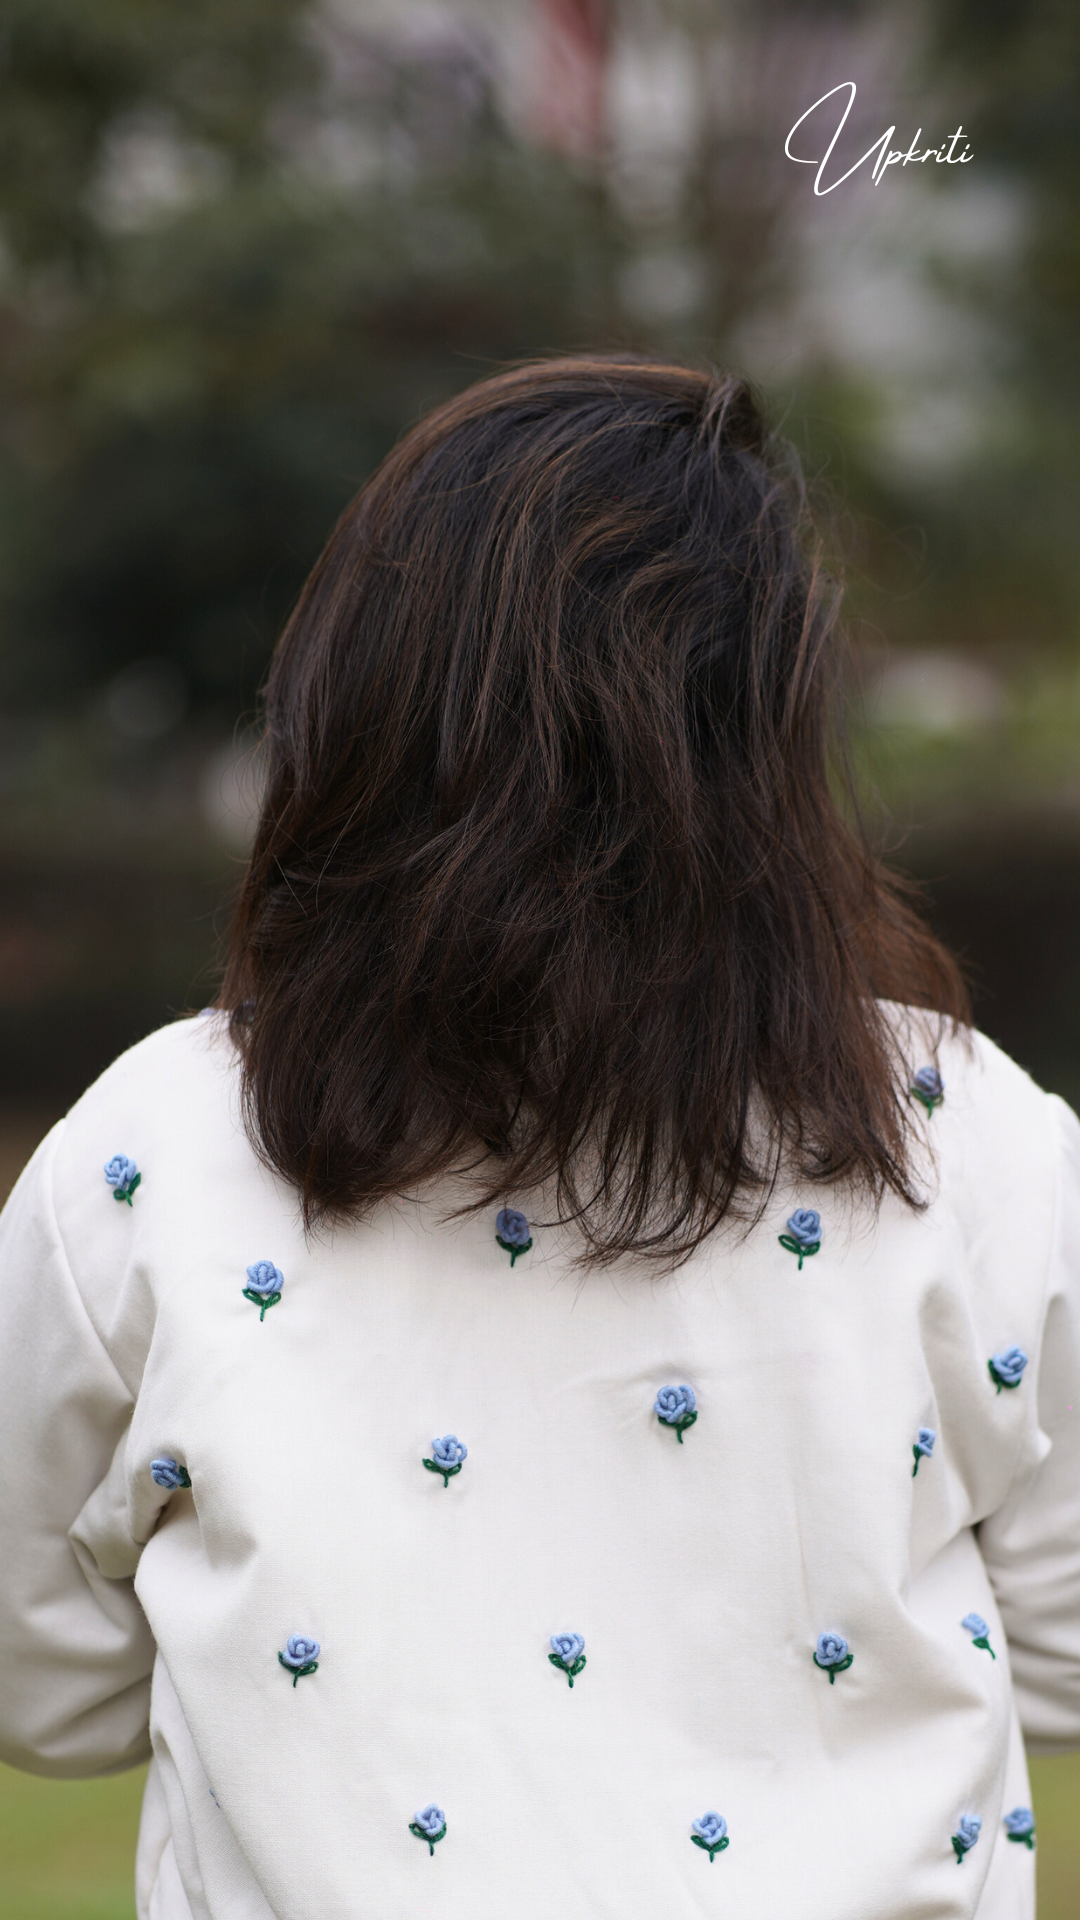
column 550, row 878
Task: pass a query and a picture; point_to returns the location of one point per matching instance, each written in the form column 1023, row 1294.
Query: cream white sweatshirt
column 772, row 1597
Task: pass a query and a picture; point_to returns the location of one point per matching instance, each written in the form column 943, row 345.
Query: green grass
column 66, row 1846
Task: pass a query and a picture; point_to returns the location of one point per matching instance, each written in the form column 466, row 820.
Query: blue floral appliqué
column 1007, row 1369
column 568, row 1654
column 803, row 1234
column 123, row 1176
column 447, row 1456
column 265, row 1282
column 166, row 1472
column 1019, row 1825
column 924, row 1447
column 928, row 1087
column 430, row 1825
column 512, row 1232
column 974, row 1624
column 676, row 1407
column 711, row 1833
column 968, row 1829
column 832, row 1655
column 301, row 1656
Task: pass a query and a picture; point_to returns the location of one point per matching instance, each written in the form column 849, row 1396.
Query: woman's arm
column 1031, row 1545
column 75, row 1649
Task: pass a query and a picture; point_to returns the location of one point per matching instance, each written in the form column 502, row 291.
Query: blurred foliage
column 193, row 388
column 243, row 244
column 243, row 250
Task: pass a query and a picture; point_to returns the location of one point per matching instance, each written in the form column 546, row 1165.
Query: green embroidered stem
column 512, row 1250
column 558, row 1661
column 125, row 1193
column 185, row 1477
column 680, row 1425
column 927, row 1100
column 1023, row 1839
column 714, row 1850
column 298, row 1672
column 959, row 1849
column 983, row 1642
column 796, row 1246
column 841, row 1666
column 434, row 1467
column 261, row 1300
column 918, row 1457
column 997, row 1379
column 431, row 1838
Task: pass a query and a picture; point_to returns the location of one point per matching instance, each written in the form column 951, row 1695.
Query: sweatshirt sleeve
column 75, row 1649
column 1031, row 1545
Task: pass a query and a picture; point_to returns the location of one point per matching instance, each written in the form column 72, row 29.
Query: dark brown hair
column 550, row 877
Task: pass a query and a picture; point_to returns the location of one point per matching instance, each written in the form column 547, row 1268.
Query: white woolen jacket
column 701, row 1573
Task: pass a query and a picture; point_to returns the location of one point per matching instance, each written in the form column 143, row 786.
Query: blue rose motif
column 447, row 1456
column 803, row 1234
column 568, row 1653
column 924, row 1447
column 928, row 1087
column 123, row 1176
column 711, row 1833
column 1020, row 1826
column 512, row 1232
column 974, row 1624
column 832, row 1655
column 968, row 1829
column 1006, row 1369
column 430, row 1825
column 301, row 1656
column 676, row 1407
column 166, row 1472
column 264, row 1284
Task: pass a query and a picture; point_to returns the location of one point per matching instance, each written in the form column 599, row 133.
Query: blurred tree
column 252, row 250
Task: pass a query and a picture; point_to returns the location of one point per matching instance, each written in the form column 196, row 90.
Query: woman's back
column 701, row 1561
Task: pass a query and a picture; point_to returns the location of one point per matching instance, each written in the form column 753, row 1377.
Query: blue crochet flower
column 1006, row 1369
column 968, row 1829
column 1020, row 1826
column 512, row 1232
column 974, row 1624
column 924, row 1447
column 567, row 1653
column 169, row 1473
column 301, row 1656
column 265, row 1282
column 803, row 1234
column 711, row 1833
column 832, row 1655
column 123, row 1176
column 447, row 1456
column 928, row 1087
column 430, row 1825
column 676, row 1407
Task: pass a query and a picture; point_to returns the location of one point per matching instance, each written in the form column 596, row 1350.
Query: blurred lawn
column 67, row 1847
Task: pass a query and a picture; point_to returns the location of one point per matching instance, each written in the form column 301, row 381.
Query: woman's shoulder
column 993, row 1143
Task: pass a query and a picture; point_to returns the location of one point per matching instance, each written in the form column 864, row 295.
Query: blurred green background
column 244, row 243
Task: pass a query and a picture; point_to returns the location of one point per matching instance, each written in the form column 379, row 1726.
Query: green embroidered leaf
column 927, row 1100
column 298, row 1672
column 512, row 1250
column 261, row 1300
column 422, row 1834
column 840, row 1666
